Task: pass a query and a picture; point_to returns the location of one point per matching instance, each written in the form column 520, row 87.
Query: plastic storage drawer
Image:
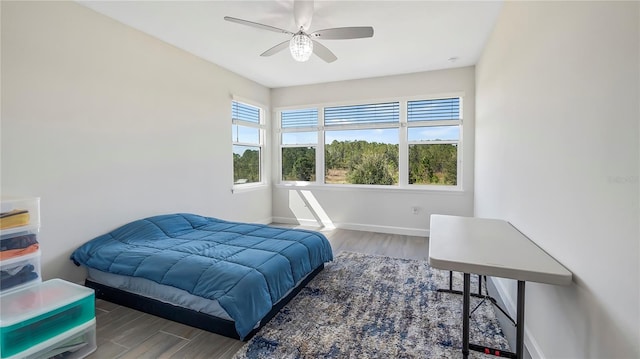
column 35, row 314
column 19, row 272
column 76, row 343
column 19, row 212
column 20, row 237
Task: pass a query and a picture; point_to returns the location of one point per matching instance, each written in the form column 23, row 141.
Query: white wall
column 557, row 156
column 386, row 211
column 108, row 125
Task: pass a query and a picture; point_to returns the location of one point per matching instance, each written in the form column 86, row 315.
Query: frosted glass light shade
column 301, row 47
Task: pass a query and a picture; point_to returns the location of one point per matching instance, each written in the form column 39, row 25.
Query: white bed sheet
column 163, row 293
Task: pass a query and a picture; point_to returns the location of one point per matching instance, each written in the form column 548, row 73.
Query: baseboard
column 302, row 222
column 419, row 232
column 265, row 221
column 510, row 304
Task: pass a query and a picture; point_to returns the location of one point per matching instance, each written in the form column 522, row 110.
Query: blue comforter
column 247, row 268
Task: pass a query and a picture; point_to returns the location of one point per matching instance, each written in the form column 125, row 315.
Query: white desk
column 495, row 248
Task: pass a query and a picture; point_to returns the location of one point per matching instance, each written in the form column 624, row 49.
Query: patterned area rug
column 364, row 306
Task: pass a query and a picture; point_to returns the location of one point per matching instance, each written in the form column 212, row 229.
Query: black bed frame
column 187, row 316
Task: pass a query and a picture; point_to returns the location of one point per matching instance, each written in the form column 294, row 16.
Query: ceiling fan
column 303, row 43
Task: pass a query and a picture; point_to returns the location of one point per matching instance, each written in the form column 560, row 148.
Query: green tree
column 246, row 167
column 433, row 164
column 298, row 163
column 373, row 169
column 451, row 166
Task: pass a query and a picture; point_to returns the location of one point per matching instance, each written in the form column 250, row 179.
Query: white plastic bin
column 30, row 206
column 38, row 313
column 76, row 343
column 19, row 272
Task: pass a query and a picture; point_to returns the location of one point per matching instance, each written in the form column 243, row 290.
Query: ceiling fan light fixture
column 301, row 47
column 301, row 44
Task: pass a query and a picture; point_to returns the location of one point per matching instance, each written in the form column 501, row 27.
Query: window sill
column 249, row 187
column 373, row 188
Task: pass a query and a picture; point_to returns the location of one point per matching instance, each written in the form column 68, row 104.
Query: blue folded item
column 9, row 242
column 16, row 276
column 246, row 267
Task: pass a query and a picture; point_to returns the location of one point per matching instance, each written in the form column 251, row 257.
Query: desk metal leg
column 466, row 313
column 520, row 325
column 466, row 303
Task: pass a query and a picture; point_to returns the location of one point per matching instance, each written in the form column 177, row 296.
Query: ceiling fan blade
column 274, row 50
column 323, row 52
column 303, row 13
column 257, row 25
column 343, row 33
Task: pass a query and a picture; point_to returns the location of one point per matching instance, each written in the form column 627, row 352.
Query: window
column 397, row 143
column 299, row 139
column 248, row 138
column 361, row 144
column 433, row 134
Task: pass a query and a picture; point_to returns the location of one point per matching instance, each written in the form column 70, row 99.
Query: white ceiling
column 409, row 36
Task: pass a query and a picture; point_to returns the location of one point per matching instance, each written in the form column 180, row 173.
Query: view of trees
column 433, row 164
column 299, row 164
column 246, row 167
column 363, row 162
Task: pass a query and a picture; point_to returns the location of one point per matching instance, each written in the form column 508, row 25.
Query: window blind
column 299, row 118
column 244, row 112
column 434, row 110
column 362, row 114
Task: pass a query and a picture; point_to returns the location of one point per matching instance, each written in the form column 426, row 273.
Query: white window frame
column 434, row 123
column 262, row 129
column 403, row 143
column 317, row 129
column 314, row 145
column 362, row 126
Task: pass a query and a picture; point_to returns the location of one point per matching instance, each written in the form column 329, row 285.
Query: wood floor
column 127, row 333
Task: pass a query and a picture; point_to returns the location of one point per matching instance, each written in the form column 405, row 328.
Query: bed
column 226, row 277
